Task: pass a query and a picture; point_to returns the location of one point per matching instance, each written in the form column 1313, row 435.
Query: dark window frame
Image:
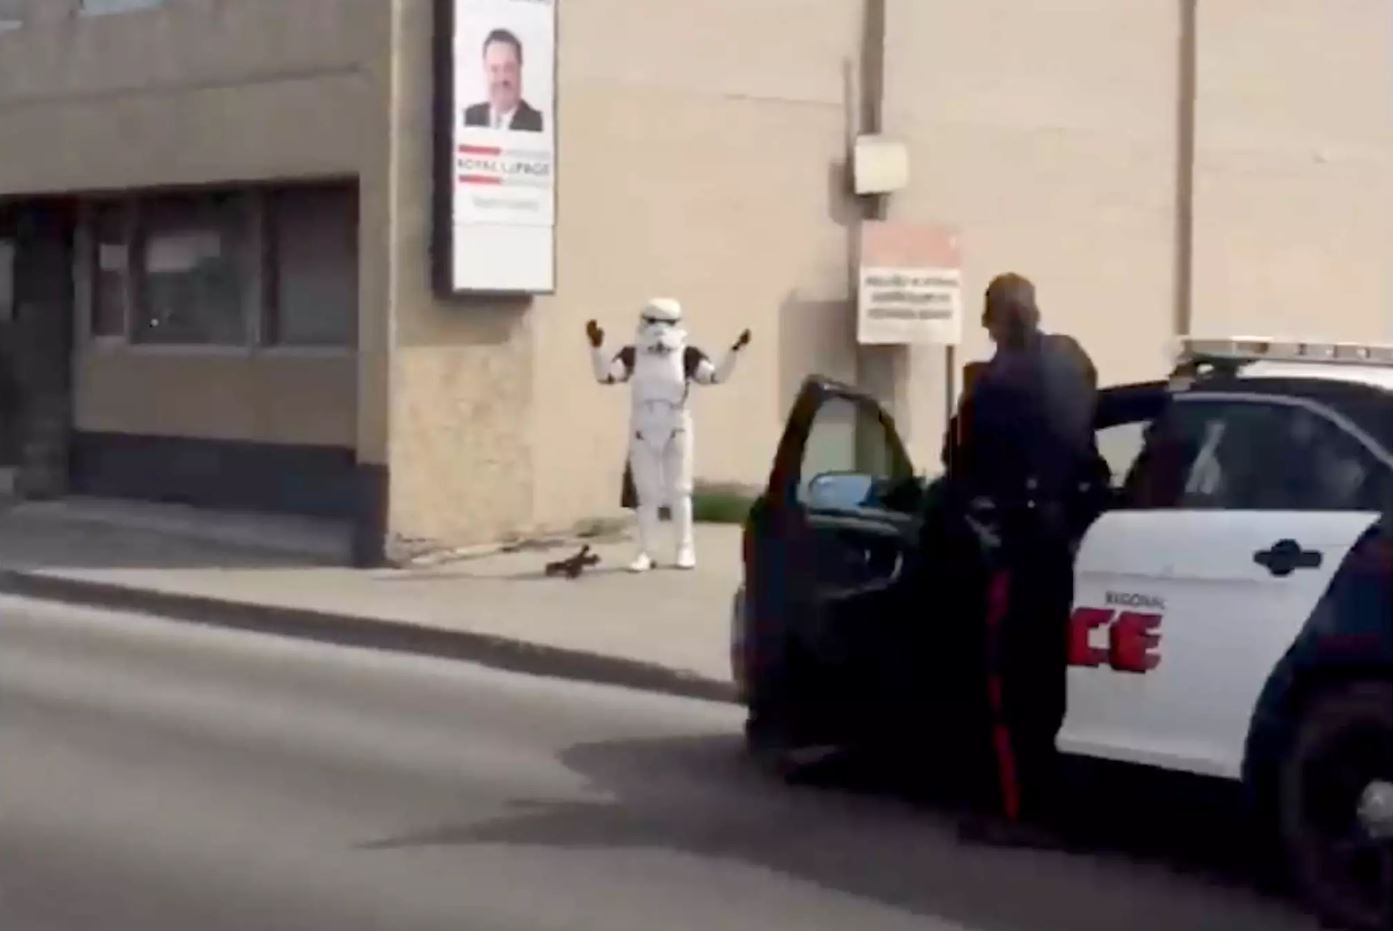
column 90, row 257
column 272, row 313
column 260, row 298
column 9, row 300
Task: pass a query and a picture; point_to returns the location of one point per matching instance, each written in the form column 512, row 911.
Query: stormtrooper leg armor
column 646, row 463
column 662, row 474
column 677, row 470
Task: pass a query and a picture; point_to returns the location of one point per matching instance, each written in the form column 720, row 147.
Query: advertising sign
column 496, row 139
column 910, row 288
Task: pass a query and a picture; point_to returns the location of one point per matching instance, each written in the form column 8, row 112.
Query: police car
column 1233, row 613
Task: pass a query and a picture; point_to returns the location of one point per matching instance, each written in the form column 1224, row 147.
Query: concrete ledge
column 356, row 631
column 318, row 539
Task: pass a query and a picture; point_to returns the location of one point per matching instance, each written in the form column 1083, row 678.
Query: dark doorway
column 10, row 444
column 36, row 342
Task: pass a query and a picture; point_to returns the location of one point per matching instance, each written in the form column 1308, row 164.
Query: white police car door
column 1228, row 529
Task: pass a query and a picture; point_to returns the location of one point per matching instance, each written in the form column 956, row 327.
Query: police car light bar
column 1269, row 349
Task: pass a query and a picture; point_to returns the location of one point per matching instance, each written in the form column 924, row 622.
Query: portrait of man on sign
column 505, row 108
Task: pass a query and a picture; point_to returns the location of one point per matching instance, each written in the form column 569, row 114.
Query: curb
column 373, row 633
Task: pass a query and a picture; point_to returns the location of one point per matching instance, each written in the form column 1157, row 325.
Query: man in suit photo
column 505, row 108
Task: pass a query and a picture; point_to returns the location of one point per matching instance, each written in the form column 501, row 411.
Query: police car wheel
column 1336, row 806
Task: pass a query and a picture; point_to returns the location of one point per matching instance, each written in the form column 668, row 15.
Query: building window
column 96, row 7
column 312, row 267
column 233, row 268
column 193, row 270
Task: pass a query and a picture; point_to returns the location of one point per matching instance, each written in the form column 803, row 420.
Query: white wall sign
column 910, row 288
column 496, row 133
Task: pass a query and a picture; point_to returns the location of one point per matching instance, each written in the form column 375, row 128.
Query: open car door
column 834, row 545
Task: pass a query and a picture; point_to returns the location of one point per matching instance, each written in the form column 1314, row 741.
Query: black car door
column 835, row 545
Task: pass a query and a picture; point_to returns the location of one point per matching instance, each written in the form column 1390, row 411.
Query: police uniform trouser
column 1028, row 602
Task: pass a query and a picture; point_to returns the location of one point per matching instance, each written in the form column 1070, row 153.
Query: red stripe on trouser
column 998, row 603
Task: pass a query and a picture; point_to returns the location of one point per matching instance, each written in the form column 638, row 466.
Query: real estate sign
column 496, row 146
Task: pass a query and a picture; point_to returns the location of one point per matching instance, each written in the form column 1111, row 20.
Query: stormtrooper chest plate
column 660, row 390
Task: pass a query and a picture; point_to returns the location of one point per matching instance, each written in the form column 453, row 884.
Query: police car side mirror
column 840, row 491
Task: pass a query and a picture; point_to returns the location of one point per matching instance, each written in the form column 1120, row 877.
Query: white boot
column 682, row 523
column 647, row 531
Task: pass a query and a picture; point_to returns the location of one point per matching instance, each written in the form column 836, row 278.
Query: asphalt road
column 157, row 776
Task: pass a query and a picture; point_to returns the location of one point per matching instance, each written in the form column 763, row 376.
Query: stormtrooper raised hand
column 659, row 368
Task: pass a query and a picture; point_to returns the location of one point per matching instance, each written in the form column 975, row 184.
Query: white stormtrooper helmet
column 660, row 327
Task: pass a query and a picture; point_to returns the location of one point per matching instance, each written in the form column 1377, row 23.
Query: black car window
column 1247, row 455
column 850, row 456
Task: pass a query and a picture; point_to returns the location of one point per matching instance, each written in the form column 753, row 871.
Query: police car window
column 1317, row 465
column 1119, row 445
column 1209, row 479
column 1254, row 456
column 847, row 438
column 1158, row 476
column 1193, row 458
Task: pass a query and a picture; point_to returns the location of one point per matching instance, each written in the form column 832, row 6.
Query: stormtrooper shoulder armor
column 692, row 359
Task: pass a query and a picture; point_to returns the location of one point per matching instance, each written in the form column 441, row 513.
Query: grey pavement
column 157, row 776
column 667, row 630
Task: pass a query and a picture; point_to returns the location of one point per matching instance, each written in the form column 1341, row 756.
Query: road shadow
column 858, row 830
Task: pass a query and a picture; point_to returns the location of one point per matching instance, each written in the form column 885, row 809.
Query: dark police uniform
column 1023, row 444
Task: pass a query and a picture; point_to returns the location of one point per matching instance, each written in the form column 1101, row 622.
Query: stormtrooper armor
column 660, row 368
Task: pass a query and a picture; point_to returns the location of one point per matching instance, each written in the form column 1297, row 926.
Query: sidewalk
column 667, row 630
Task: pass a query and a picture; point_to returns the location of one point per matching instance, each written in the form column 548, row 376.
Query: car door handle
column 885, row 579
column 1286, row 556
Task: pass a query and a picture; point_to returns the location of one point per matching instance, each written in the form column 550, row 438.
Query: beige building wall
column 195, row 92
column 1047, row 133
column 1058, row 138
column 703, row 157
column 1293, row 195
column 461, row 393
column 271, row 398
column 700, row 157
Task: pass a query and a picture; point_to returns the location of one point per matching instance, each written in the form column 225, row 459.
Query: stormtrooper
column 660, row 367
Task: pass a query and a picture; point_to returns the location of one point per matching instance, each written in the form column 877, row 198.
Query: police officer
column 1020, row 457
